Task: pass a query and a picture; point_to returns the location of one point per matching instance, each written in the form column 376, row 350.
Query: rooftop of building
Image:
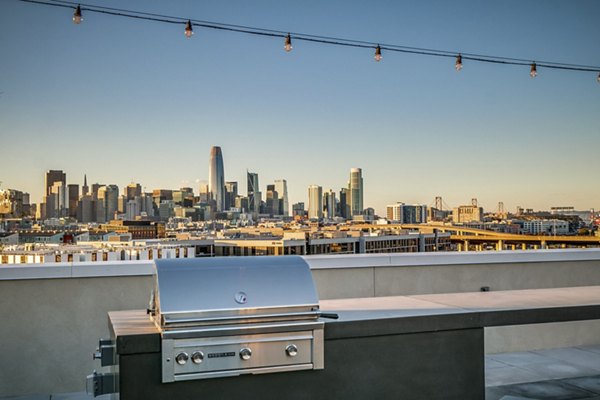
column 547, row 361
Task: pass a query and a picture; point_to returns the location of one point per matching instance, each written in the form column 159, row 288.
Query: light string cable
column 297, row 36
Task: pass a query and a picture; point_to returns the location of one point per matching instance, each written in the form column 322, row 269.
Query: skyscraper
column 329, row 204
column 315, row 202
column 281, row 188
column 216, row 180
column 344, row 209
column 58, row 201
column 73, row 199
column 107, row 204
column 84, row 189
column 355, row 187
column 254, row 196
column 86, row 209
column 54, row 176
column 133, row 190
column 231, row 192
column 272, row 201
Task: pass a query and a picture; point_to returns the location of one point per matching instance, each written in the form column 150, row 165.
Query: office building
column 329, row 204
column 466, row 213
column 95, row 188
column 254, row 195
column 282, row 191
column 546, row 227
column 147, row 207
column 122, row 204
column 85, row 189
column 407, row 214
column 343, row 206
column 272, row 206
column 355, row 189
column 216, row 178
column 57, row 202
column 11, row 203
column 107, row 203
column 241, row 203
column 73, row 189
column 86, row 209
column 298, row 210
column 132, row 191
column 160, row 195
column 184, row 197
column 53, row 176
column 315, row 202
column 231, row 192
column 203, row 194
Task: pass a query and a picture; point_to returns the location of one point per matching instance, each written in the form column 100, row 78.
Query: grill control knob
column 197, row 357
column 181, row 358
column 245, row 353
column 291, row 350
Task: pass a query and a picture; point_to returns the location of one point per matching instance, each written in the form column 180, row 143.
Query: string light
column 458, row 65
column 288, row 43
column 188, row 29
column 77, row 15
column 77, row 18
column 598, row 79
column 378, row 56
column 533, row 71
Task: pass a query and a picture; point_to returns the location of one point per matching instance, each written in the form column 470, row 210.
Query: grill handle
column 329, row 315
column 152, row 304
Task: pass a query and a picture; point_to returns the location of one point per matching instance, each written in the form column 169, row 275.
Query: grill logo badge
column 219, row 355
column 241, row 298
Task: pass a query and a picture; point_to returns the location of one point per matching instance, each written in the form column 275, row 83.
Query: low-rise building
column 546, row 227
column 465, row 214
column 138, row 229
column 9, row 238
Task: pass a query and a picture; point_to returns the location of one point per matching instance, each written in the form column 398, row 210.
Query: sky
column 124, row 101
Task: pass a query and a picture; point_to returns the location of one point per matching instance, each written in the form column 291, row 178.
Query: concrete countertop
column 435, row 312
column 376, row 316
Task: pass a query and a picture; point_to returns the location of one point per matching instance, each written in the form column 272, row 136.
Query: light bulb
column 188, row 29
column 288, row 43
column 598, row 79
column 458, row 65
column 533, row 71
column 378, row 56
column 77, row 15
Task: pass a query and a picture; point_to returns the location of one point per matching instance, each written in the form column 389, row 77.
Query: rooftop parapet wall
column 54, row 314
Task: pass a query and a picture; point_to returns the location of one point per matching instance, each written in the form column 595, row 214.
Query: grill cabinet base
column 426, row 365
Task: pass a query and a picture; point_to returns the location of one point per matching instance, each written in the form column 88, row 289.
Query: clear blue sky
column 124, row 100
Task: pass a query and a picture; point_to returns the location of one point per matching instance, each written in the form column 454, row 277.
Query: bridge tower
column 438, row 203
column 474, row 201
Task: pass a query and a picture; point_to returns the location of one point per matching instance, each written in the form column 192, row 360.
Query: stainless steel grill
column 236, row 315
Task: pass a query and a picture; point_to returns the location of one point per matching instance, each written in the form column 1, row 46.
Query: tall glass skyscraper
column 355, row 187
column 216, row 173
column 315, row 202
column 254, row 195
column 281, row 188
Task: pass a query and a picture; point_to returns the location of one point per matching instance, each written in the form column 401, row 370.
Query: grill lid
column 233, row 290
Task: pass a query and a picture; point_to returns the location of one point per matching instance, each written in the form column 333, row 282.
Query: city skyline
column 57, row 179
column 124, row 101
